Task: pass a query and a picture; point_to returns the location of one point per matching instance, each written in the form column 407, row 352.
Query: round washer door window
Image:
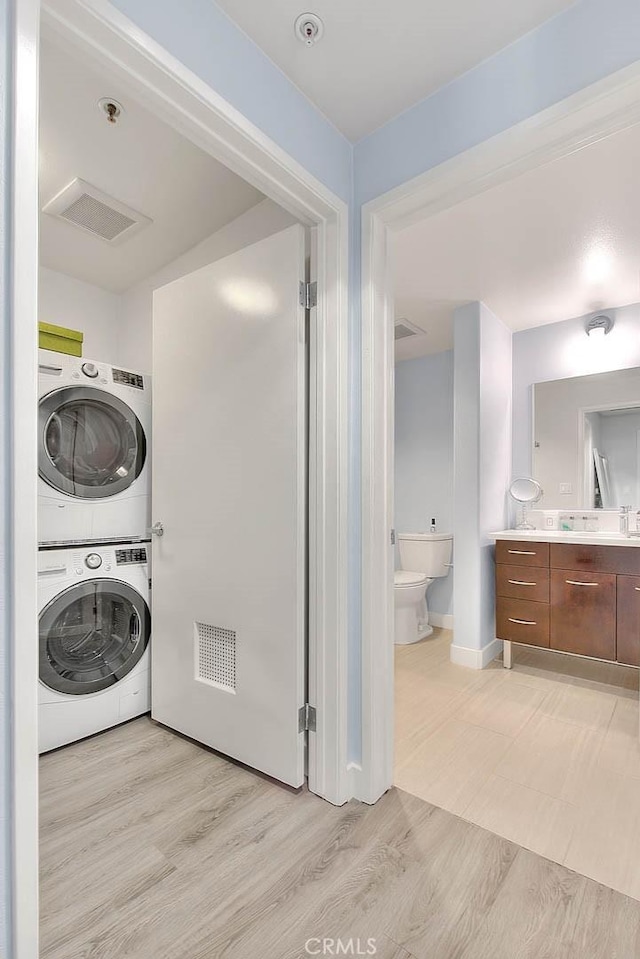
column 91, row 444
column 92, row 635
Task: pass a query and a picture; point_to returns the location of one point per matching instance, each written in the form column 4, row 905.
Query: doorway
column 206, row 121
column 476, row 739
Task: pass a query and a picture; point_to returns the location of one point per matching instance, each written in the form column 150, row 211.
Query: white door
column 229, row 488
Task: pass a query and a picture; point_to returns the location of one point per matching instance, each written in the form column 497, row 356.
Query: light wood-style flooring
column 153, row 848
column 546, row 754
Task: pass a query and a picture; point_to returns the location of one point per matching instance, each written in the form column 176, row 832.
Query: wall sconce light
column 598, row 326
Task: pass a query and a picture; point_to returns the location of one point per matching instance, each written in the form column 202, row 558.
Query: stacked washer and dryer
column 93, row 563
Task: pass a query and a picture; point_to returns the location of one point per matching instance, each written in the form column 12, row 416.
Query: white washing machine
column 95, row 630
column 94, row 431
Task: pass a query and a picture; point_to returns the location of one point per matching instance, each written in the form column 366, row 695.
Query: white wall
column 262, row 220
column 559, row 404
column 563, row 349
column 424, row 454
column 118, row 328
column 68, row 302
column 482, row 458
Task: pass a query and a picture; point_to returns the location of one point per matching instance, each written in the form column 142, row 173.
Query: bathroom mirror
column 586, row 441
column 526, row 492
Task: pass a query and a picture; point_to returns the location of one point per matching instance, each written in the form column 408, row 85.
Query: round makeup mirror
column 526, row 492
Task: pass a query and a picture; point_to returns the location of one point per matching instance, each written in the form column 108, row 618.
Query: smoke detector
column 309, row 28
column 96, row 212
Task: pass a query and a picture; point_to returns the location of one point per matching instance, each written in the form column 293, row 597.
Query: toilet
column 423, row 558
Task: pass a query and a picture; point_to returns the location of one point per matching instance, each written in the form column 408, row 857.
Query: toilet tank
column 426, row 553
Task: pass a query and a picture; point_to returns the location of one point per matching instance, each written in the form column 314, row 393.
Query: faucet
column 624, row 519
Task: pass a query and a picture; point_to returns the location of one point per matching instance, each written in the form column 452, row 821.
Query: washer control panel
column 90, row 370
column 93, row 560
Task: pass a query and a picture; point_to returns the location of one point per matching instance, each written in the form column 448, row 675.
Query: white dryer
column 95, row 630
column 94, row 427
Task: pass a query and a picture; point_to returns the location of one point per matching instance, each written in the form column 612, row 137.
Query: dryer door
column 92, row 635
column 90, row 443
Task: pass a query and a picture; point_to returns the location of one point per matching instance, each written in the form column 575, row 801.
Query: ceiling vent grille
column 95, row 212
column 403, row 329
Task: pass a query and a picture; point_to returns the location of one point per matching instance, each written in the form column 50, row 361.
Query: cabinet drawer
column 516, row 553
column 628, row 633
column 522, row 622
column 514, row 583
column 583, row 613
column 597, row 559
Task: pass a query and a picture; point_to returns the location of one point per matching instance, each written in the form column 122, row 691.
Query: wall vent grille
column 99, row 214
column 403, row 329
column 216, row 656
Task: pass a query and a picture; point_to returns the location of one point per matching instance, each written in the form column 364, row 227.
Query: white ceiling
column 140, row 161
column 378, row 57
column 557, row 242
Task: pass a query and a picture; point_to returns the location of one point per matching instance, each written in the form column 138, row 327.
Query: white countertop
column 565, row 536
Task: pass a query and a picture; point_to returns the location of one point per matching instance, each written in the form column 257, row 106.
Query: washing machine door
column 91, row 444
column 92, row 635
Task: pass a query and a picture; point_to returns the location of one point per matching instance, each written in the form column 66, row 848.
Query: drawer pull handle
column 521, row 582
column 523, row 622
column 574, row 582
column 523, row 552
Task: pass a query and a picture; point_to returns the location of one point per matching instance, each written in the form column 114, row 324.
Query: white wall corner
column 475, row 658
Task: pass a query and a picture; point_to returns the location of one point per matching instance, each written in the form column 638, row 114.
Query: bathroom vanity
column 573, row 593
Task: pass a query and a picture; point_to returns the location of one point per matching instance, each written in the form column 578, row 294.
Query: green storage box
column 60, row 339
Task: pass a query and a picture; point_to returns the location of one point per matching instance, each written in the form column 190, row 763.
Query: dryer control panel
column 128, row 379
column 137, row 554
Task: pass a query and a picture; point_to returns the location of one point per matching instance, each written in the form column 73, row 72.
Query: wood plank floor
column 153, row 848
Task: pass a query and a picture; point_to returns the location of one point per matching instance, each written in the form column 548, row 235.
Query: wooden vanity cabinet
column 580, row 599
column 583, row 613
column 628, row 616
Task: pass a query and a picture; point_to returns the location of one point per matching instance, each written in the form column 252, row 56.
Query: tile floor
column 546, row 754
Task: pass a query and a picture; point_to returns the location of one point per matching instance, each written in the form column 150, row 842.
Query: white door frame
column 591, row 114
column 195, row 109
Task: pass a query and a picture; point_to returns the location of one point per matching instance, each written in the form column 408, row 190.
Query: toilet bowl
column 423, row 558
column 411, row 614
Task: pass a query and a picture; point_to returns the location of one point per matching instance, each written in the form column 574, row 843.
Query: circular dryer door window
column 91, row 444
column 92, row 635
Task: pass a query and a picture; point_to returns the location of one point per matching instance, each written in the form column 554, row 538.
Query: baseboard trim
column 441, row 620
column 475, row 658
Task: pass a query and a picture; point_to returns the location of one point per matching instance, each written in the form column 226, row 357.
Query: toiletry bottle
column 433, row 525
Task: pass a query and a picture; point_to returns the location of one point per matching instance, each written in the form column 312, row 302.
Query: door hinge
column 307, row 719
column 393, row 537
column 308, row 295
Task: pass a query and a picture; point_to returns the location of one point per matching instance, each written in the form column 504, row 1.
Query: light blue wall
column 559, row 350
column 583, row 44
column 482, row 465
column 619, row 443
column 424, row 454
